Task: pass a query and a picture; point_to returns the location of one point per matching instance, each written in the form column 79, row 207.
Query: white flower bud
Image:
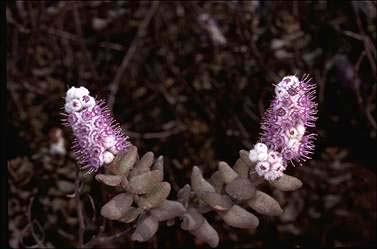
column 293, row 143
column 76, row 105
column 83, row 91
column 300, row 129
column 68, row 107
column 260, row 147
column 109, row 142
column 262, row 156
column 292, row 133
column 108, row 157
column 253, row 155
column 76, row 93
column 280, row 91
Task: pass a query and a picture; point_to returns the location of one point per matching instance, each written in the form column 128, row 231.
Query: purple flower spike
column 98, row 139
column 293, row 110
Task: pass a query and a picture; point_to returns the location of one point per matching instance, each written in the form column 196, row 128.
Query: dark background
column 191, row 81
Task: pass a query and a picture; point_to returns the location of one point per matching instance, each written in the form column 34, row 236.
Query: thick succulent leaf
column 241, row 168
column 117, row 206
column 192, row 220
column 216, row 201
column 240, row 189
column 110, row 180
column 143, row 165
column 155, row 197
column 287, row 183
column 244, row 155
column 265, row 204
column 217, row 181
column 228, row 174
column 198, row 183
column 131, row 215
column 159, row 165
column 168, row 210
column 123, row 162
column 240, row 218
column 145, row 229
column 207, row 233
column 183, row 195
column 144, row 183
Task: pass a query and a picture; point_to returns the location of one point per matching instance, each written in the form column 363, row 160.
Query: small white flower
column 76, row 93
column 289, row 81
column 292, row 133
column 262, row 168
column 274, row 157
column 293, row 143
column 262, row 156
column 108, row 157
column 300, row 129
column 88, row 101
column 280, row 91
column 272, row 175
column 253, row 155
column 73, row 106
column 109, row 142
column 68, row 107
column 76, row 105
column 260, row 148
column 277, row 167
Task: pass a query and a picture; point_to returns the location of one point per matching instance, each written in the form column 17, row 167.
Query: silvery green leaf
column 227, row 172
column 240, row 189
column 192, row 220
column 155, row 197
column 198, row 183
column 207, row 234
column 117, row 206
column 216, row 201
column 168, row 210
column 110, row 180
column 287, row 183
column 144, row 183
column 123, row 162
column 145, row 229
column 143, row 165
column 265, row 204
column 239, row 217
column 241, row 168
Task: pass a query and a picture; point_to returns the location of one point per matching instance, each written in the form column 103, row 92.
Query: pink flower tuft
column 293, row 110
column 284, row 127
column 97, row 138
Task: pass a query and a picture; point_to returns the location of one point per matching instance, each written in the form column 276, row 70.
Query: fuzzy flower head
column 285, row 136
column 97, row 138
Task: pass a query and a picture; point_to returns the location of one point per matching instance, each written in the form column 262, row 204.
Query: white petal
column 262, row 168
column 253, row 155
column 262, row 156
column 108, row 157
column 260, row 148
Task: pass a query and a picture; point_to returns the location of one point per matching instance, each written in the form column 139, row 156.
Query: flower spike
column 98, row 139
column 284, row 127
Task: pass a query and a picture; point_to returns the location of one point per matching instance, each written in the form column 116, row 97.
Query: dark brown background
column 179, row 92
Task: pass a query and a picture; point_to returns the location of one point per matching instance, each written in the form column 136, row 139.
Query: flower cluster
column 269, row 163
column 97, row 138
column 284, row 126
